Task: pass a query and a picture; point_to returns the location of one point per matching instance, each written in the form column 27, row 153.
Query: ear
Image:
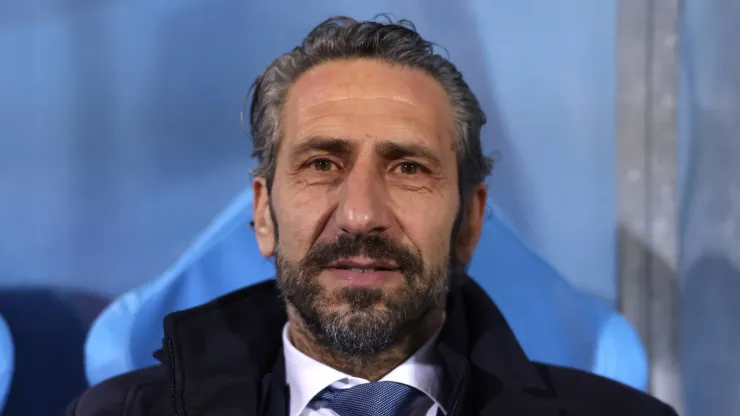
column 264, row 228
column 472, row 224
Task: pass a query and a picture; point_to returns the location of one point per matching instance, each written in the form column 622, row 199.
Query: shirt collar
column 307, row 377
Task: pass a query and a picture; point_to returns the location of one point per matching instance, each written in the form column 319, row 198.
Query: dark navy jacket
column 225, row 358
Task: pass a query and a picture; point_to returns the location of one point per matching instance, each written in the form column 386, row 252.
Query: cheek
column 298, row 227
column 428, row 225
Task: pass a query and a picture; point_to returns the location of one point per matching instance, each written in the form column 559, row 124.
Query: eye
column 322, row 165
column 409, row 168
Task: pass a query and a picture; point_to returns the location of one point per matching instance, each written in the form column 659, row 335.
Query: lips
column 365, row 270
column 363, row 265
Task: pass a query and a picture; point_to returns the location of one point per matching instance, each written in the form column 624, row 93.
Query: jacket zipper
column 171, row 368
column 454, row 406
column 459, row 391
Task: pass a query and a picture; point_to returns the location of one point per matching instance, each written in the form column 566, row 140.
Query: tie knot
column 383, row 398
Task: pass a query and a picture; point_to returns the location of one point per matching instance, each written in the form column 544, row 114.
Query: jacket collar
column 485, row 361
column 229, row 351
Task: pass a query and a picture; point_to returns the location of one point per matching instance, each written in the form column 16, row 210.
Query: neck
column 371, row 368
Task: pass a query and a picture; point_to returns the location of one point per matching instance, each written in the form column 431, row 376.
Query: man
column 370, row 195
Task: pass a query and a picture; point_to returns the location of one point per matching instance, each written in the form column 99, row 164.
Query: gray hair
column 397, row 43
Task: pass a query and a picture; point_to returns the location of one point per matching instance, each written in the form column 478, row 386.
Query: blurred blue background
column 709, row 167
column 121, row 135
column 120, row 140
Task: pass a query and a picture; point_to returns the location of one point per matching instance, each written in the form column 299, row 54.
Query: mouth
column 364, row 265
column 361, row 271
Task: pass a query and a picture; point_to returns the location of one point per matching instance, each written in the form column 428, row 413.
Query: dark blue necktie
column 384, row 398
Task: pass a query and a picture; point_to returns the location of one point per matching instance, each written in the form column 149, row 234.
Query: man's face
column 363, row 203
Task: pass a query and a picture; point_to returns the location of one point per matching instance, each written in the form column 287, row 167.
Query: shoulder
column 585, row 393
column 142, row 392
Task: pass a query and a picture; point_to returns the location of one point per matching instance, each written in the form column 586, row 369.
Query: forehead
column 363, row 98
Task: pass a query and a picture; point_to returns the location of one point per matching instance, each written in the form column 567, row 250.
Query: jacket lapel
column 218, row 353
column 277, row 395
column 486, row 363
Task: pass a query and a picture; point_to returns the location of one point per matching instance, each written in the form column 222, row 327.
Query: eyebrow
column 327, row 144
column 393, row 150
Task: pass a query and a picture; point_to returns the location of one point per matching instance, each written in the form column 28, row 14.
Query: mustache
column 374, row 246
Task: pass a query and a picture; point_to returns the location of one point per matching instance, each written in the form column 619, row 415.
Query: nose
column 363, row 207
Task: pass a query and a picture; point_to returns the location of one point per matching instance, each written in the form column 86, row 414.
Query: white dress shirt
column 307, row 377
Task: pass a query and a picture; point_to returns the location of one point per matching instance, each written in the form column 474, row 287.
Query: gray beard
column 375, row 320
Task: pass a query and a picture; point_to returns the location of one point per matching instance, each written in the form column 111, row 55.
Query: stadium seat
column 7, row 361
